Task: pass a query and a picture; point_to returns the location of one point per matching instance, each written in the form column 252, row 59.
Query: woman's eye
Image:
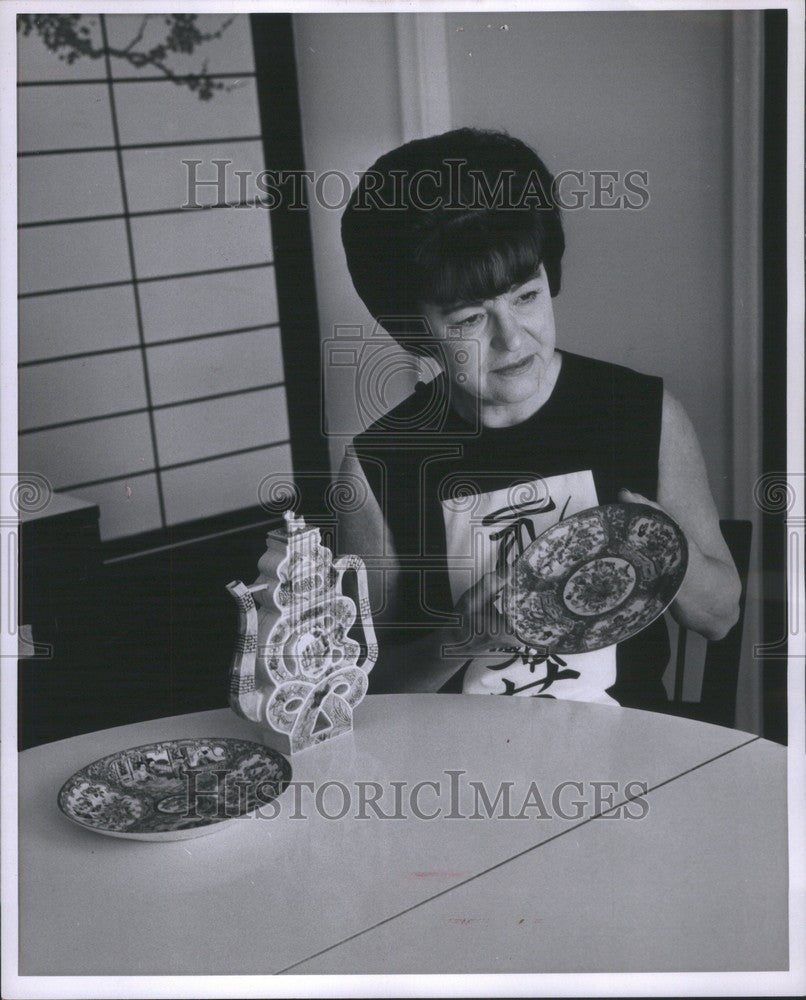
column 468, row 321
column 526, row 297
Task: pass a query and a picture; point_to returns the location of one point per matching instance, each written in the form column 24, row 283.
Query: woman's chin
column 514, row 390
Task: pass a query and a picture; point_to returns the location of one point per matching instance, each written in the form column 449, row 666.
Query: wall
column 349, row 101
column 651, row 289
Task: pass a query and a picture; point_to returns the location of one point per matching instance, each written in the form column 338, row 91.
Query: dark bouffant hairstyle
column 458, row 217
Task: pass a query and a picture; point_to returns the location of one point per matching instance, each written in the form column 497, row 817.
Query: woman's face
column 509, row 366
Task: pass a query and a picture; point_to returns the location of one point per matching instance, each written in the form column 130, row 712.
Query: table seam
column 514, row 857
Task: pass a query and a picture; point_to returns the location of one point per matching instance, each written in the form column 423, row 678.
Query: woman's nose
column 507, row 335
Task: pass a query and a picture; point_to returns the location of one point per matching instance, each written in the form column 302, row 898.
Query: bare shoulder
column 361, row 520
column 363, row 531
column 683, row 487
column 677, row 428
column 682, row 476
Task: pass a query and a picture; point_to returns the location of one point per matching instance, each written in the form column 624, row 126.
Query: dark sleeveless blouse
column 601, row 420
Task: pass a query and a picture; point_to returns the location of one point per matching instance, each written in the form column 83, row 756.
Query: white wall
column 349, row 102
column 652, row 289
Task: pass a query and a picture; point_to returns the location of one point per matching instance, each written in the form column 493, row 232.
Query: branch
column 70, row 39
column 139, row 36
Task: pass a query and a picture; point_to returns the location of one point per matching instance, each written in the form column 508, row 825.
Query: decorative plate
column 174, row 790
column 596, row 578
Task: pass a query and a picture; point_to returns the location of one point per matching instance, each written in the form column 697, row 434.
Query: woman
column 455, row 246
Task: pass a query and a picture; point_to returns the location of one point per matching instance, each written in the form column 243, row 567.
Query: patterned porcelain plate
column 596, row 578
column 174, row 790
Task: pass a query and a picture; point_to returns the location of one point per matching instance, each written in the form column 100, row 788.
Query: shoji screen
column 151, row 373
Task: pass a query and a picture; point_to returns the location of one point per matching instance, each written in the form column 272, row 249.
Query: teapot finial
column 293, row 523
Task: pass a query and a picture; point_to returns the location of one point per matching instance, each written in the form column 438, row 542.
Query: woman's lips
column 518, row 368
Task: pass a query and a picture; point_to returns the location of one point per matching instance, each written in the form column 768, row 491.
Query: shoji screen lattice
column 151, row 374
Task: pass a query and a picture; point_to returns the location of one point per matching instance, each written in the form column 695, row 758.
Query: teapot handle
column 343, row 565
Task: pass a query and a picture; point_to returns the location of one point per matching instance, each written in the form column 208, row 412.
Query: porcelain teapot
column 296, row 671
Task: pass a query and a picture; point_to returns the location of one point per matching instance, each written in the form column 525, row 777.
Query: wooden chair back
column 720, row 678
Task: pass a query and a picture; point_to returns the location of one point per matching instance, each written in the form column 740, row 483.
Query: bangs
column 479, row 256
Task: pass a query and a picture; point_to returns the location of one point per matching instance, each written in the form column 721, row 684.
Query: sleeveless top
column 461, row 500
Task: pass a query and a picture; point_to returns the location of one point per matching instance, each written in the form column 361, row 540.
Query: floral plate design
column 596, row 578
column 174, row 789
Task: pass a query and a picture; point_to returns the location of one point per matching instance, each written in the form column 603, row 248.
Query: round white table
column 509, row 848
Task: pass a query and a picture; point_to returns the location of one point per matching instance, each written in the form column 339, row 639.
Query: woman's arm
column 708, row 600
column 425, row 662
column 363, row 532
